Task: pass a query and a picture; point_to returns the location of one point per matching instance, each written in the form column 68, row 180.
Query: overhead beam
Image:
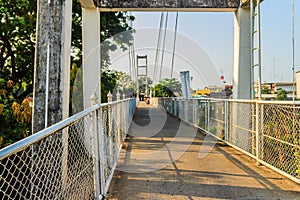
column 168, row 9
column 168, row 5
column 246, row 3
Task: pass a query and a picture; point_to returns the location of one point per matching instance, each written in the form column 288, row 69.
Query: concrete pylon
column 242, row 54
column 91, row 63
column 52, row 63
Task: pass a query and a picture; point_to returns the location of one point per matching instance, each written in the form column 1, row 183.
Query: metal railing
column 268, row 131
column 73, row 159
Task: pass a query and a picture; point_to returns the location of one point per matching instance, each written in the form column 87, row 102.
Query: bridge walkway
column 180, row 162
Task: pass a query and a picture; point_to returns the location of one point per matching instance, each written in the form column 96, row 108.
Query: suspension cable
column 164, row 44
column 158, row 46
column 174, row 45
column 293, row 47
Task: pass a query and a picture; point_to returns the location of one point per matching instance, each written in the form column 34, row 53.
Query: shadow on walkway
column 166, row 165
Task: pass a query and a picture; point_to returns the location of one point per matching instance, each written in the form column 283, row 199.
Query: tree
column 168, row 88
column 266, row 91
column 113, row 26
column 17, row 48
column 281, row 94
column 143, row 82
column 108, row 82
column 125, row 85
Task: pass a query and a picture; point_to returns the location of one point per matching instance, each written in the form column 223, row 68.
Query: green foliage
column 143, row 82
column 112, row 24
column 115, row 33
column 108, row 82
column 124, row 85
column 282, row 125
column 167, row 88
column 266, row 91
column 76, row 90
column 17, row 48
column 281, row 94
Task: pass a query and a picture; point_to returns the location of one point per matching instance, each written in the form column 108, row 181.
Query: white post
column 242, row 54
column 109, row 97
column 195, row 112
column 91, row 54
column 94, row 99
column 118, row 96
column 186, row 110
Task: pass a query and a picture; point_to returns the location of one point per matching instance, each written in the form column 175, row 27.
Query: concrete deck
column 167, row 165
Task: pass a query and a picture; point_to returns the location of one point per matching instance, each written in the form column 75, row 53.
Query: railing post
column 257, row 131
column 208, row 115
column 101, row 150
column 95, row 147
column 195, row 112
column 118, row 120
column 109, row 97
column 175, row 107
column 226, row 115
column 180, row 109
column 186, row 109
column 110, row 128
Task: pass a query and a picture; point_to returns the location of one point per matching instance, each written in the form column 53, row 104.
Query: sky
column 205, row 43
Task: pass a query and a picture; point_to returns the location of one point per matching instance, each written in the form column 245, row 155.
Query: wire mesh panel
column 217, row 118
column 116, row 119
column 242, row 125
column 267, row 131
column 61, row 161
column 201, row 114
column 59, row 166
column 280, row 130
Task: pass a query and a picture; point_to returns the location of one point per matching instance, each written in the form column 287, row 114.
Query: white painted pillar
column 242, row 54
column 91, row 63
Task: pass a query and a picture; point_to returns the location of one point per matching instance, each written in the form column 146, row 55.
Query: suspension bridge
column 172, row 148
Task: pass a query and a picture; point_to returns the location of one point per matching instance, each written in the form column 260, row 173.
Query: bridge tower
column 142, row 73
column 57, row 16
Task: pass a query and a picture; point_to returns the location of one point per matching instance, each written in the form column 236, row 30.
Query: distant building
column 269, row 90
column 223, row 92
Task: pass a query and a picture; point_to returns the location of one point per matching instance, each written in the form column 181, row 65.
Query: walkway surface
column 167, row 165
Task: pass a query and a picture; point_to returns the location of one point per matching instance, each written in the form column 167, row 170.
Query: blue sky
column 214, row 33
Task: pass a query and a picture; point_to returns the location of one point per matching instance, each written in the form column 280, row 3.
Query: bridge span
column 201, row 149
column 205, row 169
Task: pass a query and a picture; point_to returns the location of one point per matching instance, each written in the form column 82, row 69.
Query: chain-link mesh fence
column 279, row 133
column 242, row 125
column 217, row 118
column 61, row 161
column 267, row 131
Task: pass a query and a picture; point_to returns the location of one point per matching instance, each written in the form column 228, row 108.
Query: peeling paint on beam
column 168, row 5
column 168, row 9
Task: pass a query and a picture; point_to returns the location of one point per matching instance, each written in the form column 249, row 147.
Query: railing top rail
column 238, row 100
column 280, row 102
column 114, row 102
column 24, row 143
